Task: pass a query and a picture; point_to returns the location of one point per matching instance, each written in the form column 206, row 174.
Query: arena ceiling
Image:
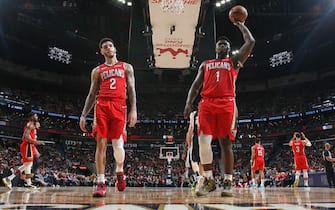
column 28, row 28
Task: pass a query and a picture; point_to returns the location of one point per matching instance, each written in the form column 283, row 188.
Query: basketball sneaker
column 101, row 190
column 7, row 182
column 194, row 183
column 227, row 192
column 121, row 182
column 199, row 183
column 31, row 187
column 208, row 186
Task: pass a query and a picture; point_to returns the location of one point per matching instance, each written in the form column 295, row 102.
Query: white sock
column 306, row 182
column 101, row 178
column 28, row 181
column 228, row 176
column 253, row 181
column 119, row 169
column 208, row 174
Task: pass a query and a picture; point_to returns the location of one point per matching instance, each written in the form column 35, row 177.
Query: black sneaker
column 226, row 192
column 31, row 187
column 208, row 186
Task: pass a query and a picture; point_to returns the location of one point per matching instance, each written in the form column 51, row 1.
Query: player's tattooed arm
column 132, row 116
column 91, row 97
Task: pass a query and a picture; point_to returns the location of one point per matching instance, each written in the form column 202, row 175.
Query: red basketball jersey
column 113, row 81
column 32, row 132
column 298, row 148
column 219, row 78
column 259, row 151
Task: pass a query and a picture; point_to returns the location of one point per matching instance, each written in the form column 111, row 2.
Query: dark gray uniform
column 329, row 168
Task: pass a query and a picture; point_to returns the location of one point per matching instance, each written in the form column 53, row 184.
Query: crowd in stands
column 142, row 166
column 75, row 167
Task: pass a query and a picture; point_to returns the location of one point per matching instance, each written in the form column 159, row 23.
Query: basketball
column 238, row 13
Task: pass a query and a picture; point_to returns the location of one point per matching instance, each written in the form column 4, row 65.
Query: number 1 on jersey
column 217, row 75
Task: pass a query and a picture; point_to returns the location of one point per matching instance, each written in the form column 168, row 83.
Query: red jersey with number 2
column 113, row 81
column 111, row 107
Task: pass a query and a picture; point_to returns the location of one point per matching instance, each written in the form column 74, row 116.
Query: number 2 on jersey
column 112, row 86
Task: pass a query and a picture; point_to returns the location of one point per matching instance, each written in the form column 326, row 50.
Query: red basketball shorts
column 110, row 119
column 301, row 163
column 217, row 117
column 258, row 165
column 27, row 152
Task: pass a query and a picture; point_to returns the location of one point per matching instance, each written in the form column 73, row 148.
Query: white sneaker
column 7, row 182
column 199, row 183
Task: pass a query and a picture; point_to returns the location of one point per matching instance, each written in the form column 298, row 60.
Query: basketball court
column 171, row 34
column 167, row 198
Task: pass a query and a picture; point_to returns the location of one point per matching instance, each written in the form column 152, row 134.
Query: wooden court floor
column 167, row 199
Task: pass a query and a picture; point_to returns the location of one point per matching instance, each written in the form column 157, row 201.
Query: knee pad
column 205, row 149
column 305, row 174
column 119, row 153
column 28, row 166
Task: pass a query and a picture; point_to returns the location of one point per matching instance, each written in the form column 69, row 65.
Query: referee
column 328, row 161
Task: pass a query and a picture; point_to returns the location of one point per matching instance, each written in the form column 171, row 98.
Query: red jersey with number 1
column 219, row 78
column 113, row 81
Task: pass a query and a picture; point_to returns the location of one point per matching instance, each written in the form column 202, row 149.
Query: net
column 173, row 6
column 169, row 156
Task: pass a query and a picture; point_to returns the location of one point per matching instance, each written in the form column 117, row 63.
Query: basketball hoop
column 173, row 6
